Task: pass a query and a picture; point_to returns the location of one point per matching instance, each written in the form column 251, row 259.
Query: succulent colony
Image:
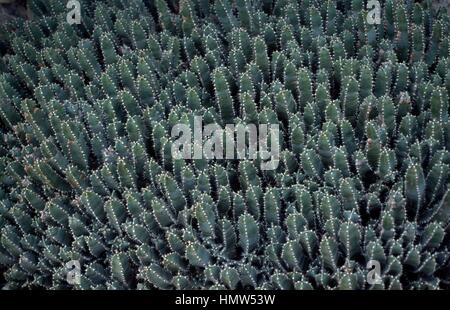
column 86, row 171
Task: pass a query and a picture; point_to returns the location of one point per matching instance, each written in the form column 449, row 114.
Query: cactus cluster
column 86, row 171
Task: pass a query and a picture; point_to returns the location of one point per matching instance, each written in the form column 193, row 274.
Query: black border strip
column 84, row 300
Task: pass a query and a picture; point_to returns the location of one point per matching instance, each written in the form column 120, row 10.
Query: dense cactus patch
column 86, row 171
